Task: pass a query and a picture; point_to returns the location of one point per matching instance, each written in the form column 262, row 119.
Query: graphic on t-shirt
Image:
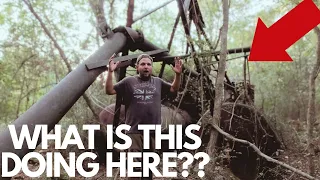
column 144, row 92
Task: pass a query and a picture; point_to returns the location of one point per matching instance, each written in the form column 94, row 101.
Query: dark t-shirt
column 142, row 100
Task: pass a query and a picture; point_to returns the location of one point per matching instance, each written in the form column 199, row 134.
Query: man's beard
column 145, row 76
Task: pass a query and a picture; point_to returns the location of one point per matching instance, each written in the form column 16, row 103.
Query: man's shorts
column 137, row 146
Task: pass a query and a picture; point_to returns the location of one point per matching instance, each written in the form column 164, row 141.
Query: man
column 142, row 96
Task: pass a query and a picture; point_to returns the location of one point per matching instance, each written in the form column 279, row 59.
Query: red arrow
column 270, row 44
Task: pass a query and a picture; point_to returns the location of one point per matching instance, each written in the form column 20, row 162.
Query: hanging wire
column 98, row 103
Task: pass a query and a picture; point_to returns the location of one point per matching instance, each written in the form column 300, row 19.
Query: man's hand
column 112, row 64
column 177, row 65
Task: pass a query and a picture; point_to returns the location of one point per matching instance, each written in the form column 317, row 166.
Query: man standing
column 142, row 96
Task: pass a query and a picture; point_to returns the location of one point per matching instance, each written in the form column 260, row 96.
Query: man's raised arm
column 109, row 84
column 177, row 69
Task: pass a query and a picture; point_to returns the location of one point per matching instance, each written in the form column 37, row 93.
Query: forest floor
column 299, row 160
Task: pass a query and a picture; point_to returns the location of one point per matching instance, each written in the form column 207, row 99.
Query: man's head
column 144, row 66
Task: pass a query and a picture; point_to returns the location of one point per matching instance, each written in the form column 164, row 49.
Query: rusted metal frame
column 197, row 18
column 207, row 39
column 187, row 32
column 153, row 10
column 121, row 73
column 186, row 5
column 124, row 60
column 165, row 56
column 170, row 59
column 226, row 76
column 232, row 51
column 162, row 69
column 170, row 43
column 119, row 98
column 184, row 19
column 231, row 59
column 216, row 57
column 148, row 46
column 191, row 13
column 189, row 41
column 209, row 87
column 203, row 33
column 105, row 31
column 195, row 15
column 214, row 53
column 173, row 31
column 199, row 23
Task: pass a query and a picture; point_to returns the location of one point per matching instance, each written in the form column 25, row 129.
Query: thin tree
column 220, row 78
column 311, row 116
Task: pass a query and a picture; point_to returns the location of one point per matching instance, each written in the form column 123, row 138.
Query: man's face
column 145, row 67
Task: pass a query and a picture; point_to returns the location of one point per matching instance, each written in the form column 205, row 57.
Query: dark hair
column 141, row 56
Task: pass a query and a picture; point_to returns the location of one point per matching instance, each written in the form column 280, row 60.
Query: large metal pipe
column 55, row 104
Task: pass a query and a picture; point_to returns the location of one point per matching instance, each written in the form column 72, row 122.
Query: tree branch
column 268, row 158
column 55, row 43
column 22, row 64
column 37, row 89
column 61, row 52
column 97, row 7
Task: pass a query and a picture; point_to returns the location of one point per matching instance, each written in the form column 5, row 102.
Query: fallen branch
column 268, row 158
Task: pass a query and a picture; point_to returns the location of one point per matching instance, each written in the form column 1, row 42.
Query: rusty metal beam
column 187, row 31
column 170, row 42
column 183, row 18
column 173, row 31
column 186, row 5
column 169, row 58
column 195, row 14
column 123, row 59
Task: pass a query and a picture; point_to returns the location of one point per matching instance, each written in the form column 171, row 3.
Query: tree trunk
column 111, row 13
column 98, row 10
column 219, row 89
column 130, row 13
column 311, row 116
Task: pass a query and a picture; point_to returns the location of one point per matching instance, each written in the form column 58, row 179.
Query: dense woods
column 42, row 41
